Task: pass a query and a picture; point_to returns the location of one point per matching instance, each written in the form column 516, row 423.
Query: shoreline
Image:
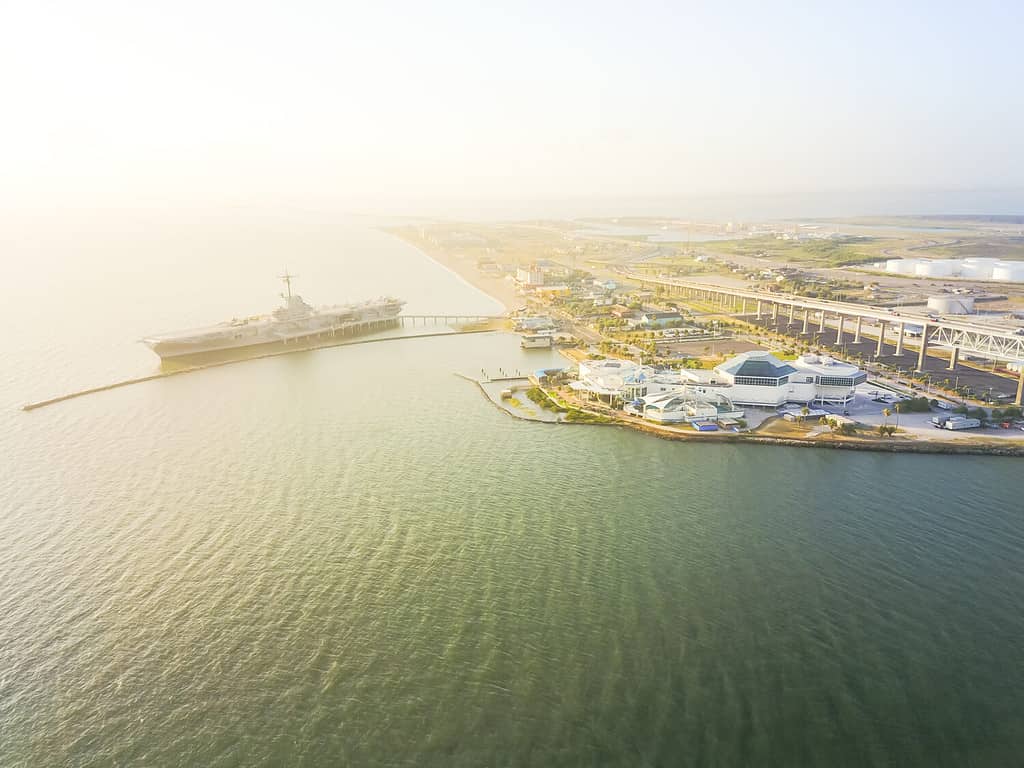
column 503, row 292
column 497, row 288
column 930, row 447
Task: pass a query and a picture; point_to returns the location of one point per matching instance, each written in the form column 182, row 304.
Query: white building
column 834, row 380
column 625, row 380
column 758, row 378
column 686, row 404
column 660, row 396
column 531, row 275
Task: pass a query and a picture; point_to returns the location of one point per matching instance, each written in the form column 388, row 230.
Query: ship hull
column 257, row 343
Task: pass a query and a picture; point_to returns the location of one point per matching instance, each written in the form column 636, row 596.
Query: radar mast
column 288, row 283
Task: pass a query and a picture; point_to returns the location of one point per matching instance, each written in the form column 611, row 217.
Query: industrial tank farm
column 973, row 268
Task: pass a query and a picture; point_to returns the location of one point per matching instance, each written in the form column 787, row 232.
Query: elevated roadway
column 986, row 340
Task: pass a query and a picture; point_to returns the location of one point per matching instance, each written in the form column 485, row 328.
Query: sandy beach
column 500, row 289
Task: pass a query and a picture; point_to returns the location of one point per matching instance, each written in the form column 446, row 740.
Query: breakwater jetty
column 221, row 363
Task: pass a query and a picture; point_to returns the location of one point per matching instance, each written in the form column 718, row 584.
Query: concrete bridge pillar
column 899, row 339
column 881, row 338
column 758, row 310
column 821, row 324
column 954, row 358
column 1020, row 388
column 839, row 331
column 744, row 310
column 924, row 348
column 807, row 314
column 792, row 309
column 856, row 334
column 775, row 313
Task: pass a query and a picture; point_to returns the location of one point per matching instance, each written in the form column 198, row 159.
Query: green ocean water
column 350, row 557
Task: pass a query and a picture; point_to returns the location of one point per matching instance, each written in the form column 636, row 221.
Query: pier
column 448, row 319
column 325, row 340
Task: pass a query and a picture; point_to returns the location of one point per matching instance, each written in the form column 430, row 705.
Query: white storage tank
column 901, row 266
column 977, row 268
column 1009, row 271
column 951, row 305
column 940, row 268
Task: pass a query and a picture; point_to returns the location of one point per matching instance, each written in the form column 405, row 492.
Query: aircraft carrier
column 296, row 322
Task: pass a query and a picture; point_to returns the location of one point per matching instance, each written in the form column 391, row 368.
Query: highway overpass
column 986, row 340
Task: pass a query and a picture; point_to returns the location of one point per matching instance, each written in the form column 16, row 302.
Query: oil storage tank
column 977, row 268
column 951, row 305
column 937, row 268
column 1009, row 271
column 901, row 266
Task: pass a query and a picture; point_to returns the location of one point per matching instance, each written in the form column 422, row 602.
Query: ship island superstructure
column 295, row 322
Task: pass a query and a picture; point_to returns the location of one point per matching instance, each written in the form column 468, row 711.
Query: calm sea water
column 350, row 557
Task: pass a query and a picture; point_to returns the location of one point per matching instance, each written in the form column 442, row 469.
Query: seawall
column 221, row 363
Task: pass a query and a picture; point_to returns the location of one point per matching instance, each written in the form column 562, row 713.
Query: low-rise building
column 553, row 291
column 656, row 395
column 530, row 276
column 659, row 319
column 538, row 323
column 758, row 378
column 686, row 404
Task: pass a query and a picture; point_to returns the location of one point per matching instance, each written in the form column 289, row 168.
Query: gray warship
column 296, row 322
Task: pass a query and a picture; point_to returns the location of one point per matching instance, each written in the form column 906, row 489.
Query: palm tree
column 803, row 413
column 887, row 413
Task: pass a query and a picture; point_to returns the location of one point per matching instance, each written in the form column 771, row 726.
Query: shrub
column 536, row 394
column 582, row 417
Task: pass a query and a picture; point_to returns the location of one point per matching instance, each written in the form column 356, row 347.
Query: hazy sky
column 364, row 104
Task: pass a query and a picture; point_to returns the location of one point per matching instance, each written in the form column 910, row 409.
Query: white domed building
column 758, row 378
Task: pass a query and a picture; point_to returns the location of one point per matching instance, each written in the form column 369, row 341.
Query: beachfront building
column 612, row 380
column 656, row 395
column 552, row 291
column 621, row 381
column 685, row 404
column 530, row 276
column 760, row 379
column 834, row 380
